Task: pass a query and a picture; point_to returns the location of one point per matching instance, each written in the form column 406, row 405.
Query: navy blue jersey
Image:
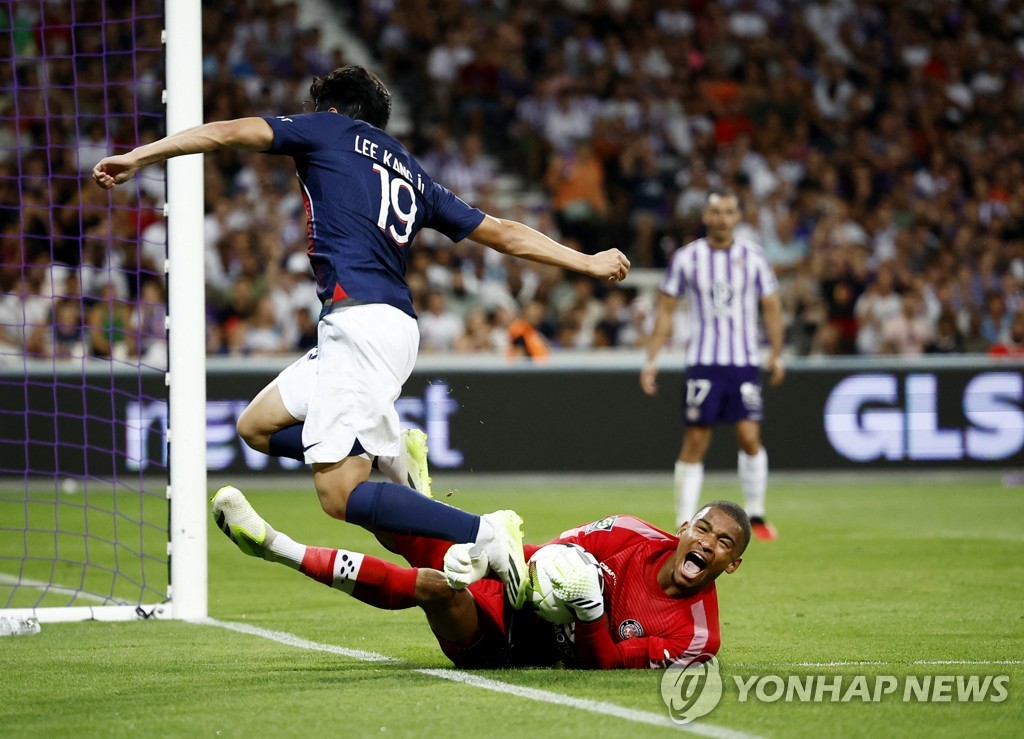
column 366, row 198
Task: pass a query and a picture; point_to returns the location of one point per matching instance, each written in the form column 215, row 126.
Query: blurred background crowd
column 876, row 146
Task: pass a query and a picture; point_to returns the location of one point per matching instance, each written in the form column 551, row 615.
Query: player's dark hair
column 737, row 514
column 725, row 192
column 353, row 91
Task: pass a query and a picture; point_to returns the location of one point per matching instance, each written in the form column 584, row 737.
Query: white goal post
column 187, row 317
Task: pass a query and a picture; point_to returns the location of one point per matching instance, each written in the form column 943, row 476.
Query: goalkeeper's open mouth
column 694, row 563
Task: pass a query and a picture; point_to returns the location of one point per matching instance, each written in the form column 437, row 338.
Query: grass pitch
column 867, row 578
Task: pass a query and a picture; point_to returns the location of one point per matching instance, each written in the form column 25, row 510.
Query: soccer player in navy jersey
column 366, row 198
column 725, row 279
column 648, row 599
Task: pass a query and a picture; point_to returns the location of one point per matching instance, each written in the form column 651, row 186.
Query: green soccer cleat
column 240, row 522
column 505, row 554
column 413, row 459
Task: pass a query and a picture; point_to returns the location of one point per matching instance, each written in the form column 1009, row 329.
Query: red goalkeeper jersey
column 642, row 626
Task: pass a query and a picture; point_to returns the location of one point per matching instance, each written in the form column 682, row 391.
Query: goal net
column 84, row 461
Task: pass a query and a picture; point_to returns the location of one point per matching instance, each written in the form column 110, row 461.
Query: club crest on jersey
column 605, row 524
column 721, row 294
column 630, row 629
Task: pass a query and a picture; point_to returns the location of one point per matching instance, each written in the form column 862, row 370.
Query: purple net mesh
column 83, row 472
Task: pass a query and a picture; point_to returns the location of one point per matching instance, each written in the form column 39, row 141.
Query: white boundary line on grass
column 30, row 584
column 477, row 681
column 882, row 663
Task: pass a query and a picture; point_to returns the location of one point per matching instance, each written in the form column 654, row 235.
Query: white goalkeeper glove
column 464, row 564
column 576, row 580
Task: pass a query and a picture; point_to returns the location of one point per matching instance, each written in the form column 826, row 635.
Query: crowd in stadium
column 876, row 146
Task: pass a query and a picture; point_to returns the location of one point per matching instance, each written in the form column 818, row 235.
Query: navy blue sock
column 287, row 442
column 385, row 506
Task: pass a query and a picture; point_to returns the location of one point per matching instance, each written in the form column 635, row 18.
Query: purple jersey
column 725, row 287
column 366, row 198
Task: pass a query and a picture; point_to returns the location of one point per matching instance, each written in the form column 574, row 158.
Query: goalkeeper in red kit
column 642, row 599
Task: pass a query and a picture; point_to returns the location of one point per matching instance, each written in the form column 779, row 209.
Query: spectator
column 69, row 341
column 874, row 309
column 524, row 336
column 148, row 325
column 947, row 338
column 109, row 321
column 440, row 328
column 1013, row 346
column 906, row 333
column 261, row 334
column 576, row 182
column 996, row 320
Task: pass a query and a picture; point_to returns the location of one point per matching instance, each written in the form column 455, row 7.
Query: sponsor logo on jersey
column 630, row 629
column 608, row 571
column 605, row 524
column 721, row 294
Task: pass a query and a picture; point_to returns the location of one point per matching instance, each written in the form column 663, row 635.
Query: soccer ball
column 545, row 601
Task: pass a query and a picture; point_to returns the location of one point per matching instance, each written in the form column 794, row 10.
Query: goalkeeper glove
column 576, row 580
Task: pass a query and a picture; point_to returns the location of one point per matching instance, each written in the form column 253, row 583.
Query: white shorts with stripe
column 345, row 389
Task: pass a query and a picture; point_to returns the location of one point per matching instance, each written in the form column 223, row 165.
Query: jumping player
column 658, row 606
column 366, row 198
column 724, row 279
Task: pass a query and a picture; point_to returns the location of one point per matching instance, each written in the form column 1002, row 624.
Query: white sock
column 392, row 468
column 753, row 471
column 688, row 478
column 285, row 550
column 485, row 534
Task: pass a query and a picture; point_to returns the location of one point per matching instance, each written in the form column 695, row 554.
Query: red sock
column 318, row 563
column 371, row 580
column 386, row 585
column 420, row 551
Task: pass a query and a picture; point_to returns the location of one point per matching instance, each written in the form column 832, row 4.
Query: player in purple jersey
column 366, row 198
column 725, row 279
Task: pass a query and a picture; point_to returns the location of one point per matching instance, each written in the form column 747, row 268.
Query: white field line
column 476, row 681
column 877, row 663
column 6, row 579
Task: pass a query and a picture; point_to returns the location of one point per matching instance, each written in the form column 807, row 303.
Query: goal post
column 187, row 318
column 103, row 499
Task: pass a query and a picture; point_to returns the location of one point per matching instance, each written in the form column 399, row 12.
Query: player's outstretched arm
column 254, row 134
column 596, row 650
column 519, row 240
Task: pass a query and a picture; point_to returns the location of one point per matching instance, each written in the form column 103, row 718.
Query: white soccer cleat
column 464, row 564
column 240, row 522
column 505, row 554
column 413, row 461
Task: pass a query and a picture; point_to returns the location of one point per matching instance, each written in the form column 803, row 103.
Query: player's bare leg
column 752, row 466
column 264, row 416
column 335, row 482
column 688, row 477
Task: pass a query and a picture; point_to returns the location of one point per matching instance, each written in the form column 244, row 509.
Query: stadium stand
column 877, row 148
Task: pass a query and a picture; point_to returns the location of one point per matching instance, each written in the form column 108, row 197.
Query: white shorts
column 345, row 389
